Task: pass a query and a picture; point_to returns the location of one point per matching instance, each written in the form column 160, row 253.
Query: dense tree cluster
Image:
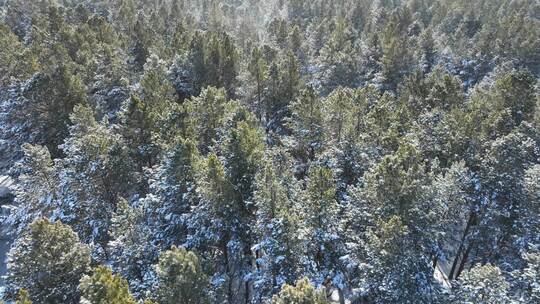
column 271, row 151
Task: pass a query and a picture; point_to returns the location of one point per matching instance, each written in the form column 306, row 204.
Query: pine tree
column 38, row 188
column 212, row 60
column 144, row 115
column 445, row 90
column 394, row 270
column 320, row 219
column 372, row 52
column 392, row 199
column 258, row 68
column 126, row 14
column 23, row 297
column 181, row 37
column 455, row 192
column 395, row 61
column 214, row 226
column 397, row 186
column 142, row 37
column 196, row 62
column 303, row 292
column 431, row 93
column 180, row 278
column 504, row 220
column 306, row 123
column 173, row 193
column 51, row 98
column 96, row 172
column 346, row 130
column 228, row 65
column 296, row 41
column 338, row 109
column 279, row 249
column 207, row 114
column 336, row 63
column 137, row 130
column 103, row 30
column 103, row 287
column 381, row 127
column 529, row 277
column 243, row 150
column 48, row 260
column 531, row 206
column 278, row 31
column 290, row 79
column 132, row 250
column 284, row 86
column 504, row 104
column 17, row 62
column 428, row 52
column 482, row 284
column 156, row 89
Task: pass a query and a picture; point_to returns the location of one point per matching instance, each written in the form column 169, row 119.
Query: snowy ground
column 440, row 275
column 5, row 186
column 4, row 248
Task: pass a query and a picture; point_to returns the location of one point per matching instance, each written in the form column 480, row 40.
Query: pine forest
column 270, row 151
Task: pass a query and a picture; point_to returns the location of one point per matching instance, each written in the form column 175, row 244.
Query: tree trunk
column 341, row 296
column 463, row 261
column 461, row 244
column 228, row 271
column 247, row 292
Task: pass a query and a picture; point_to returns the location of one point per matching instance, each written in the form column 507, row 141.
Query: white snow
column 6, row 186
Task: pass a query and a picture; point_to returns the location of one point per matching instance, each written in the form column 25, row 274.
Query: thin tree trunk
column 247, row 292
column 251, row 262
column 454, row 264
column 228, row 271
column 259, row 105
column 463, row 261
column 461, row 244
column 474, row 259
column 341, row 296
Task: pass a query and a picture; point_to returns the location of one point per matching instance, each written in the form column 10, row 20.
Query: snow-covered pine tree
column 48, row 260
column 337, row 64
column 207, row 114
column 215, row 226
column 172, row 194
column 143, row 115
column 482, row 284
column 95, row 173
column 306, row 124
column 37, row 192
column 279, row 252
column 132, row 251
column 319, row 215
